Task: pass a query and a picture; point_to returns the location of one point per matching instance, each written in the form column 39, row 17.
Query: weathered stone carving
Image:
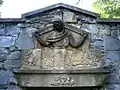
column 31, row 59
column 60, row 34
column 62, row 80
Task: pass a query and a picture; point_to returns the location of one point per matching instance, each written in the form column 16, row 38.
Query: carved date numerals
column 62, row 81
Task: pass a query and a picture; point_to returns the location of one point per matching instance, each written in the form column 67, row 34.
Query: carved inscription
column 62, row 81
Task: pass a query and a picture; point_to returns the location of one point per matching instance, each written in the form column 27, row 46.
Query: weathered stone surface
column 2, row 31
column 7, row 41
column 31, row 59
column 12, row 81
column 30, row 31
column 12, row 64
column 92, row 28
column 70, row 58
column 49, row 79
column 3, row 54
column 14, row 87
column 113, row 87
column 11, row 30
column 13, row 48
column 14, row 55
column 71, row 17
column 24, row 42
column 2, row 66
column 111, row 43
column 112, row 56
column 4, row 77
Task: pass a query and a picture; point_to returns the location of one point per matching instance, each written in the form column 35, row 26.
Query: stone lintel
column 62, row 78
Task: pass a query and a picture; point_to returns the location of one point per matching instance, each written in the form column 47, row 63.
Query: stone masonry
column 16, row 34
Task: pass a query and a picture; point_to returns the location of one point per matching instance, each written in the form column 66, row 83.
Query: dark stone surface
column 4, row 77
column 113, row 87
column 14, row 55
column 3, row 54
column 112, row 56
column 111, row 43
column 24, row 42
column 7, row 41
column 12, row 64
column 2, row 31
column 12, row 29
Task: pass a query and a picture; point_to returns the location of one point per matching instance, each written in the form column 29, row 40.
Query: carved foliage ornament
column 60, row 34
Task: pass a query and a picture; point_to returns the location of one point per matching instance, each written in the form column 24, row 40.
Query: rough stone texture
column 7, row 41
column 14, row 55
column 31, row 59
column 2, row 31
column 111, row 43
column 70, row 58
column 24, row 42
column 12, row 29
column 61, row 80
column 104, row 46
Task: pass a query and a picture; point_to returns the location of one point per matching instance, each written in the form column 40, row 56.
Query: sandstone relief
column 60, row 34
column 62, row 46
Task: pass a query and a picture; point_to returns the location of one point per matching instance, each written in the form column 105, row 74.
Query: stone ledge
column 87, row 71
column 108, row 20
column 11, row 20
column 62, row 78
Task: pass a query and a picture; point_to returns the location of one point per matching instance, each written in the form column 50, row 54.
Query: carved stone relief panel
column 62, row 80
column 62, row 45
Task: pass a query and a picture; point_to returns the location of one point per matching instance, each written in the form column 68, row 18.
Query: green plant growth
column 107, row 8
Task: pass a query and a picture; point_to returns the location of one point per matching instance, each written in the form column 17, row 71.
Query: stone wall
column 13, row 40
column 16, row 35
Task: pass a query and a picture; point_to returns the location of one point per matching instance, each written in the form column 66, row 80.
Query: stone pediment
column 60, row 6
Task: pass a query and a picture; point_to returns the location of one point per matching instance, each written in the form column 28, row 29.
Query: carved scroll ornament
column 60, row 34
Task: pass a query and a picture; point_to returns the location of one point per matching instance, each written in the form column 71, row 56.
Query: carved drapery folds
column 60, row 34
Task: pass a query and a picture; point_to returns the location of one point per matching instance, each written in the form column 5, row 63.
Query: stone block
column 24, row 42
column 3, row 54
column 97, row 45
column 111, row 43
column 71, row 17
column 112, row 56
column 7, row 41
column 12, row 81
column 113, row 87
column 2, row 66
column 14, row 55
column 11, row 30
column 4, row 77
column 2, row 31
column 92, row 28
column 61, row 78
column 12, row 64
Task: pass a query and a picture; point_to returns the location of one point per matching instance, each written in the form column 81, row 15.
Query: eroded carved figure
column 60, row 34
